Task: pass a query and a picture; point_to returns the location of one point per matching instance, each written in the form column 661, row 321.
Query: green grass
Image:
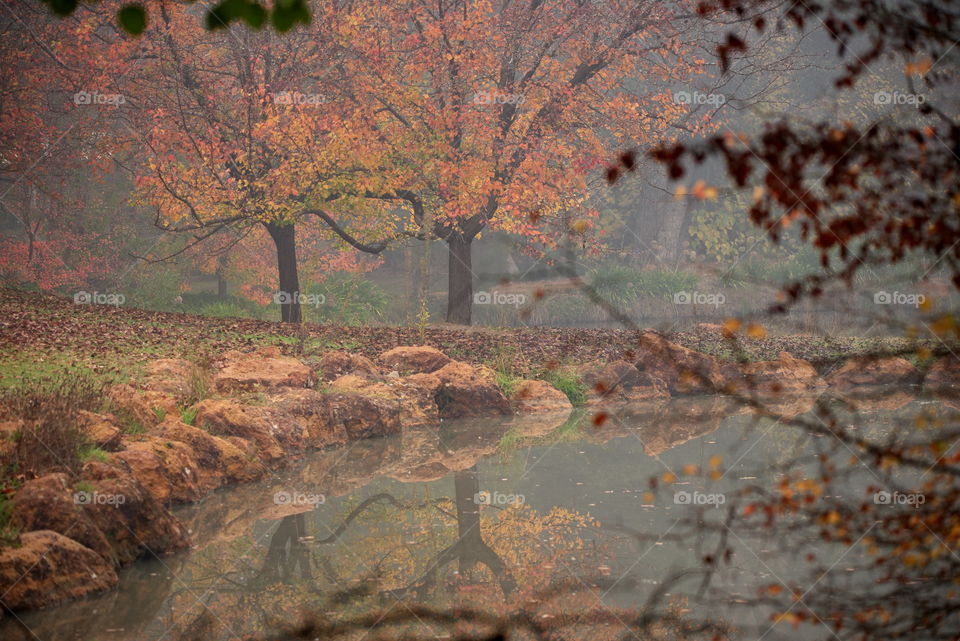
column 188, row 415
column 93, row 453
column 507, row 382
column 566, row 380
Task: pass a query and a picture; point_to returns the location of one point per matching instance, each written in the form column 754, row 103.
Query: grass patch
column 567, row 381
column 93, row 453
column 188, row 415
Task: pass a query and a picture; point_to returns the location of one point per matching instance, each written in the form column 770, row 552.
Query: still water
column 546, row 515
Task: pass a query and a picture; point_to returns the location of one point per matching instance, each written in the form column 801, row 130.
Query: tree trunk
column 459, row 280
column 284, row 237
column 221, row 279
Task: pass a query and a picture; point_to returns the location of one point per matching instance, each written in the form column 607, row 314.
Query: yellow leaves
column 715, row 461
column 926, row 304
column 703, row 192
column 690, row 469
column 944, row 325
column 669, row 477
column 680, row 192
column 755, row 330
column 919, row 67
column 580, row 226
column 732, row 325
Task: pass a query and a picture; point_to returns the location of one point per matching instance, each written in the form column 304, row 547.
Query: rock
column 218, row 461
column 131, row 518
column 232, row 418
column 171, row 376
column 415, row 401
column 943, row 374
column 682, row 370
column 785, row 376
column 335, row 364
column 264, row 368
column 146, row 408
column 461, row 390
column 307, row 415
column 49, row 568
column 419, row 359
column 621, row 382
column 48, row 503
column 166, row 468
column 364, row 416
column 538, row 396
column 102, row 430
column 890, row 370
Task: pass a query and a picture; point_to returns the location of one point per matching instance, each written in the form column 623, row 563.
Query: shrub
column 51, row 436
column 349, row 300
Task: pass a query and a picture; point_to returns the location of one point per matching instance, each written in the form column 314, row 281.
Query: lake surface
column 551, row 515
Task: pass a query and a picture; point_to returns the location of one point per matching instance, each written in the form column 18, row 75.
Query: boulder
column 227, row 417
column 414, row 401
column 786, row 376
column 335, row 364
column 531, row 396
column 944, row 373
column 682, row 370
column 171, row 376
column 103, row 430
column 218, row 461
column 166, row 468
column 49, row 503
column 147, row 408
column 49, row 568
column 136, row 525
column 621, row 382
column 462, row 390
column 306, row 415
column 264, row 368
column 419, row 359
column 890, row 370
column 364, row 416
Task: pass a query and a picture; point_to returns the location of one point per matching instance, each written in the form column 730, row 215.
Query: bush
column 51, row 436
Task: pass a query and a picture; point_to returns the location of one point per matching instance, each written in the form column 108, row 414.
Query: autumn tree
column 479, row 115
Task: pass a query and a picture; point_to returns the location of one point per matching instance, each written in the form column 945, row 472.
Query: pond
column 548, row 514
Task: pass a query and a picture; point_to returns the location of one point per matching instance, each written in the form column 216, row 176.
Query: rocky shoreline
column 261, row 410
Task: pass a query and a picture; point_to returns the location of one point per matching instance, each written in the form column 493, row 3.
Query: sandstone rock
column 943, row 374
column 170, row 376
column 538, row 396
column 364, row 416
column 232, row 418
column 49, row 568
column 218, row 461
column 166, row 468
column 621, row 382
column 891, row 370
column 464, row 390
column 48, row 503
column 682, row 370
column 419, row 359
column 102, row 430
column 415, row 401
column 137, row 525
column 146, row 408
column 264, row 368
column 335, row 364
column 785, row 376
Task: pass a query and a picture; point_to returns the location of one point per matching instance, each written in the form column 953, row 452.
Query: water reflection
column 416, row 519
